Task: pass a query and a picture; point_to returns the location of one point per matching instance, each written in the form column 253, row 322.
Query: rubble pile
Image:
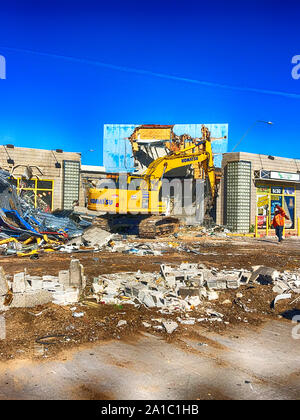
column 27, row 231
column 22, row 290
column 117, row 244
column 186, row 287
column 179, row 288
column 174, row 289
column 217, row 231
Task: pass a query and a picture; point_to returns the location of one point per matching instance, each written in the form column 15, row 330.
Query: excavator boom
column 185, row 157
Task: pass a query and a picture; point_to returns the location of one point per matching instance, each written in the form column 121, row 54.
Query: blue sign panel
column 117, row 151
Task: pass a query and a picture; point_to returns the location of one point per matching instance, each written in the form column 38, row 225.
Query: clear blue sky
column 62, row 97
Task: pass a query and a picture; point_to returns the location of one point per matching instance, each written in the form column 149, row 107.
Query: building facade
column 47, row 179
column 252, row 185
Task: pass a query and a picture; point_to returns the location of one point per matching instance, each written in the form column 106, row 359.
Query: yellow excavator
column 135, row 199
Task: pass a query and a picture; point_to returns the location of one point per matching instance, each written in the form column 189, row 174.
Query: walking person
column 278, row 222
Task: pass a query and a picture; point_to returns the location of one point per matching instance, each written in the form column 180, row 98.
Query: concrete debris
column 31, row 299
column 170, row 326
column 201, row 231
column 226, row 302
column 64, row 277
column 212, row 295
column 264, row 275
column 283, row 282
column 174, row 289
column 29, row 291
column 242, row 305
column 77, row 278
column 189, row 321
column 3, row 283
column 19, row 285
column 280, row 297
column 93, row 236
column 214, row 313
column 121, row 323
column 78, row 314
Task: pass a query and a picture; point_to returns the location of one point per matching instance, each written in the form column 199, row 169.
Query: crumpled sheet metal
column 17, row 217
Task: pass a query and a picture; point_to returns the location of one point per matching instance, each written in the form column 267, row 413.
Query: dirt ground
column 26, row 328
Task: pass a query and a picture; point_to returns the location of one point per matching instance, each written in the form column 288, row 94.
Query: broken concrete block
column 188, row 291
column 199, row 279
column 64, row 277
column 170, row 281
column 212, row 283
column 36, row 283
column 49, row 285
column 158, row 298
column 53, row 287
column 18, row 300
column 28, row 287
column 50, row 278
column 189, row 321
column 97, row 288
column 264, row 275
column 244, row 277
column 280, row 286
column 66, row 297
column 233, row 284
column 3, row 307
column 203, row 292
column 147, row 300
column 97, row 236
column 76, row 273
column 78, row 314
column 170, row 326
column 188, row 266
column 280, row 297
column 2, row 328
column 212, row 295
column 221, row 284
column 226, row 302
column 19, row 285
column 92, row 236
column 194, row 301
column 31, row 299
column 72, row 295
column 207, row 274
column 137, row 289
column 166, row 269
column 58, row 298
column 37, row 297
column 83, row 286
column 3, row 282
column 214, row 313
column 180, row 276
column 121, row 323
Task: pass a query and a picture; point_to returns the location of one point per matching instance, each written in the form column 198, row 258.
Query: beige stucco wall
column 45, row 160
column 258, row 162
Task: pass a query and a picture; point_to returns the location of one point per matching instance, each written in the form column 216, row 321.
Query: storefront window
column 37, row 193
column 268, row 196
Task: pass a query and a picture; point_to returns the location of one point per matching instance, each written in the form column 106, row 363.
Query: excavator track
column 156, row 226
column 149, row 227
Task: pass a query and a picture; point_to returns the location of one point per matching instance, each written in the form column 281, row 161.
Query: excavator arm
column 185, row 157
